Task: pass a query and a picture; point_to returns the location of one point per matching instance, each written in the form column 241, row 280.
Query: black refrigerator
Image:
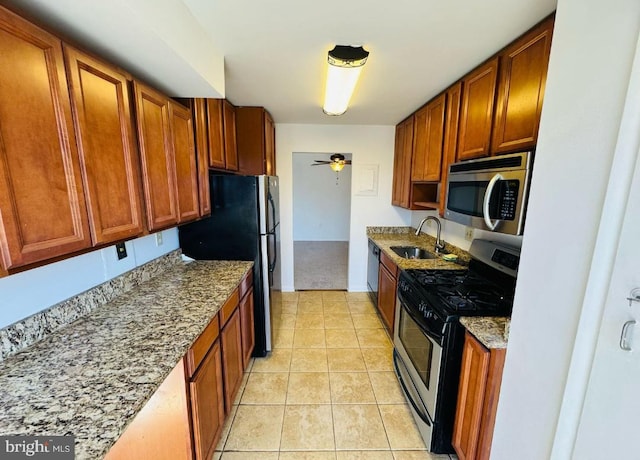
column 244, row 225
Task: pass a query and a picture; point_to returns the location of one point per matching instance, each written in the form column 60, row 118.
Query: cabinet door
column 248, row 327
column 156, row 153
column 231, row 337
column 428, row 140
column 161, row 429
column 473, row 381
column 251, row 140
column 479, row 89
column 42, row 205
column 215, row 132
column 269, row 145
column 202, row 153
column 523, row 75
column 387, row 296
column 109, row 156
column 454, row 94
column 402, row 164
column 184, row 154
column 207, row 404
column 396, row 192
column 230, row 147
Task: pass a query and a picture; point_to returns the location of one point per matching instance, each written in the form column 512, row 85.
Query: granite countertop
column 385, row 237
column 492, row 332
column 92, row 377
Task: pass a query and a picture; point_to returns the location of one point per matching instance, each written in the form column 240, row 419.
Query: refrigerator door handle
column 272, row 264
column 273, row 212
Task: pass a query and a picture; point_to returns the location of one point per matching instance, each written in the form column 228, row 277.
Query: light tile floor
column 327, row 391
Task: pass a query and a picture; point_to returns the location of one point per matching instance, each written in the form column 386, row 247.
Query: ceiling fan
column 336, row 162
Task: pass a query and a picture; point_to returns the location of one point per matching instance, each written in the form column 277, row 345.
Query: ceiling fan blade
column 347, row 162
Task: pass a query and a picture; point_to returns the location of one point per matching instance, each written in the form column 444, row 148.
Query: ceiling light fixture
column 337, row 167
column 345, row 65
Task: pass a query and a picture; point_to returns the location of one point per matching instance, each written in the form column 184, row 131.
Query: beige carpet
column 320, row 265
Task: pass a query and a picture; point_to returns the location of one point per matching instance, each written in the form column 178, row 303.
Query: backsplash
column 25, row 332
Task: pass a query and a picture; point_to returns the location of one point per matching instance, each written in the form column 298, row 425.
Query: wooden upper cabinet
column 523, row 75
column 454, row 95
column 428, row 140
column 156, row 154
column 42, row 205
column 101, row 104
column 221, row 129
column 199, row 107
column 479, row 89
column 184, row 154
column 215, row 133
column 255, row 141
column 230, row 146
column 269, row 145
column 401, row 195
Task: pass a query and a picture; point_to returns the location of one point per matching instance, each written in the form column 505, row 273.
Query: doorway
column 321, row 221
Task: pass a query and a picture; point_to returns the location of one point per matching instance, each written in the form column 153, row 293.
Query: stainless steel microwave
column 490, row 193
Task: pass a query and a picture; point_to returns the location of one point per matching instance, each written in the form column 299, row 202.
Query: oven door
column 420, row 356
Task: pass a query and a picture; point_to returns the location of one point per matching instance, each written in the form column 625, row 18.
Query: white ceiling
column 275, row 51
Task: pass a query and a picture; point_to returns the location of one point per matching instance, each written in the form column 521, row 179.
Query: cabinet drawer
column 389, row 264
column 245, row 284
column 199, row 349
column 229, row 307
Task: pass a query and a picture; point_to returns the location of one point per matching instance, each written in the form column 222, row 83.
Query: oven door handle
column 485, row 205
column 421, row 414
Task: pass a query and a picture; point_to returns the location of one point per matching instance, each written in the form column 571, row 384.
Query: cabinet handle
column 624, row 342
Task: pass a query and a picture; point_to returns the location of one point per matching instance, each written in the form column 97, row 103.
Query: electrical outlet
column 468, row 234
column 159, row 239
column 121, row 250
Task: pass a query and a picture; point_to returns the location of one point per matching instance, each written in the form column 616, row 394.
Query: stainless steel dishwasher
column 372, row 271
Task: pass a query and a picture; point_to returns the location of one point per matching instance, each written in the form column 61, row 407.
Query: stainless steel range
column 428, row 337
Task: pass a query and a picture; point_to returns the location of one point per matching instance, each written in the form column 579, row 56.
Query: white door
column 610, row 421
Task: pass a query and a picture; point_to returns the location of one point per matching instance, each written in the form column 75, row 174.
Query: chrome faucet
column 439, row 243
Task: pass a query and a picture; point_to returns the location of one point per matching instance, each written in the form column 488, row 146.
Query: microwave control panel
column 508, row 199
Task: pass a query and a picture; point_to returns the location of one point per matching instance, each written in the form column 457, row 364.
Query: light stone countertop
column 92, row 377
column 492, row 332
column 385, row 237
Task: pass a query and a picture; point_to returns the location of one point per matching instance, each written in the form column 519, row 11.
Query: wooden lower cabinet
column 231, row 339
column 478, row 392
column 207, row 403
column 387, row 285
column 161, row 430
column 248, row 327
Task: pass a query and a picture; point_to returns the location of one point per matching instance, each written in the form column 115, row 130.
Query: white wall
column 321, row 199
column 368, row 145
column 31, row 291
column 591, row 56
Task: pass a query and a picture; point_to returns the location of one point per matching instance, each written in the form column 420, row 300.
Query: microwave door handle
column 485, row 206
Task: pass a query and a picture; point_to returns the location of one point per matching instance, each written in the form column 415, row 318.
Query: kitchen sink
column 412, row 252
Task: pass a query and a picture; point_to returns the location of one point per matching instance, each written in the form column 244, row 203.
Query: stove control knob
column 422, row 306
column 429, row 314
